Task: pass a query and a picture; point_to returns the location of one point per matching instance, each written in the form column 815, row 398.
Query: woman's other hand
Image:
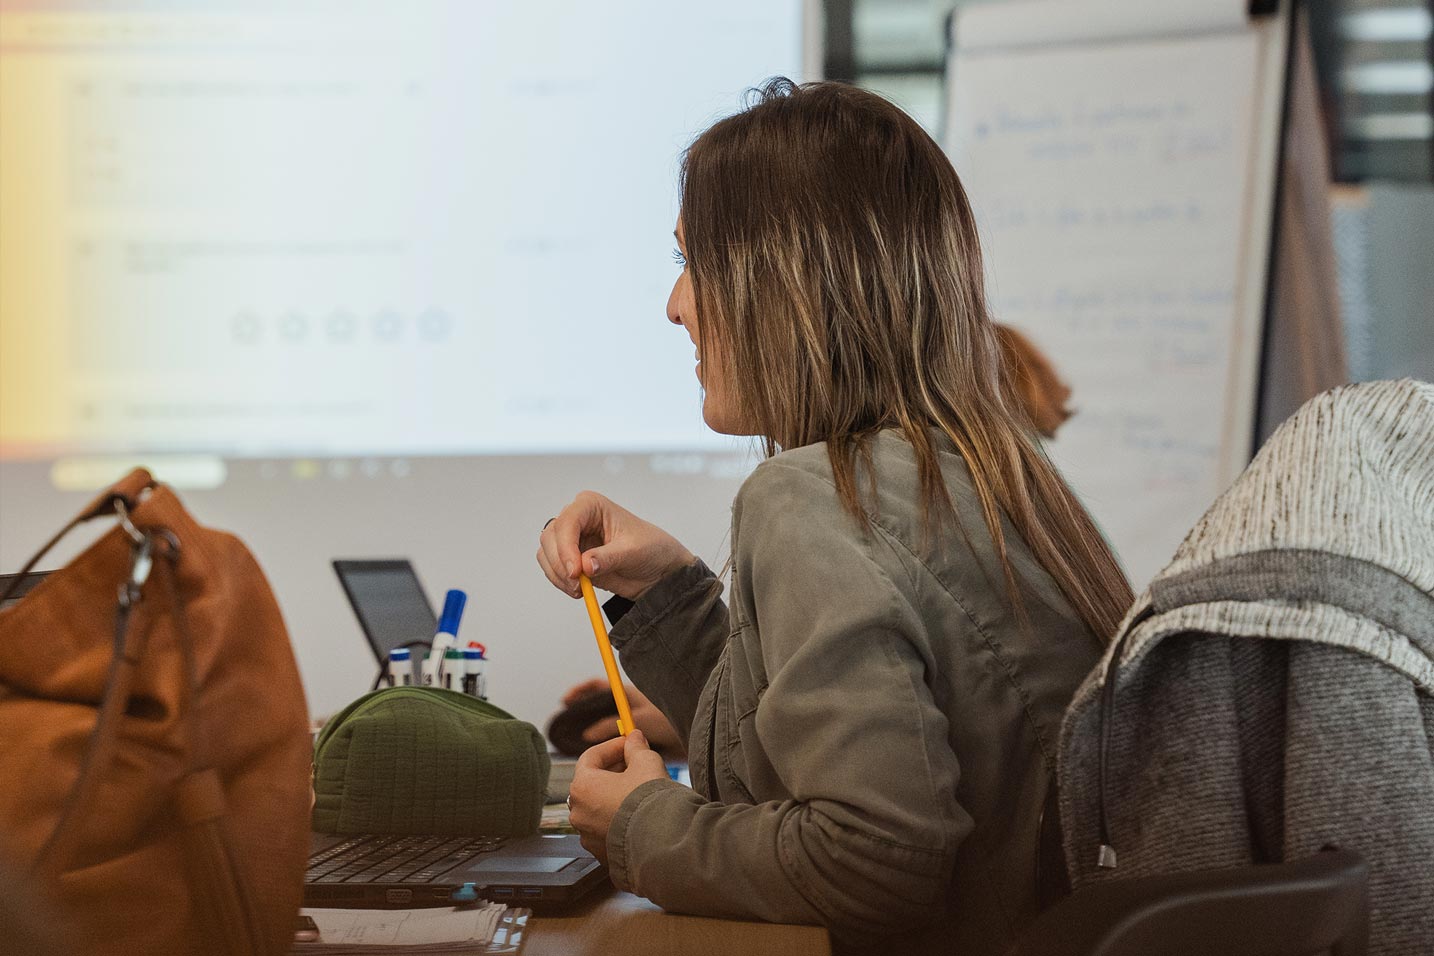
column 602, row 779
column 645, row 717
column 619, row 551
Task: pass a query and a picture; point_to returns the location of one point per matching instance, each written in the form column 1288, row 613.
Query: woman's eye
column 679, row 258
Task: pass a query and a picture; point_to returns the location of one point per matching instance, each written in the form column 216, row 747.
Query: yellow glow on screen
column 34, row 407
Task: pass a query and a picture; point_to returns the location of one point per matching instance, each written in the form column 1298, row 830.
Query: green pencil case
column 424, row 760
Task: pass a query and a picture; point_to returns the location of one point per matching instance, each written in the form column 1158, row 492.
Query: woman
column 1035, row 387
column 871, row 722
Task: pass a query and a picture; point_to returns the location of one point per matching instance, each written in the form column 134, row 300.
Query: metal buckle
column 122, row 512
column 141, row 563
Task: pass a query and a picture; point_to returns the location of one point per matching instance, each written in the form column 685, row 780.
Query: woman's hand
column 645, row 717
column 602, row 779
column 619, row 551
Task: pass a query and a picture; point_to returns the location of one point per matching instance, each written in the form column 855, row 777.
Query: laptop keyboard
column 395, row 859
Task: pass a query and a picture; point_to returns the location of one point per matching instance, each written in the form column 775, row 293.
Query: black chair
column 1313, row 906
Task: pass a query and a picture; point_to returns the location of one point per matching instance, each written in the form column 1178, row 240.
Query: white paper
column 1121, row 189
column 1038, row 22
column 406, row 928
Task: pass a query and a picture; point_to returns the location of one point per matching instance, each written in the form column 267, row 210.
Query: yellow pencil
column 624, row 712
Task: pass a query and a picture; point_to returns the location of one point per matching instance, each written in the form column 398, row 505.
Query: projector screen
column 366, row 280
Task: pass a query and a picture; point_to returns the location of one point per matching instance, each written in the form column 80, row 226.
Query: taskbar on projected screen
column 205, row 471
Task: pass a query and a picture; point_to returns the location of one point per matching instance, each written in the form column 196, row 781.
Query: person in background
column 1040, row 393
column 871, row 717
column 645, row 716
column 1038, row 388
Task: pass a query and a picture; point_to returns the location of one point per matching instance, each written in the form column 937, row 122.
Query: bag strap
column 1105, row 855
column 231, row 916
column 129, row 646
column 119, row 499
column 128, row 490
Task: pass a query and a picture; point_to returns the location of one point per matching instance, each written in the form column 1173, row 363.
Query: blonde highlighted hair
column 836, row 267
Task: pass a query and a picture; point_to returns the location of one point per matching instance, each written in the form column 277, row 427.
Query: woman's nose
column 674, row 311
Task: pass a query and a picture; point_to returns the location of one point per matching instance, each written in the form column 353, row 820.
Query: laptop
column 360, row 872
column 411, row 871
column 389, row 602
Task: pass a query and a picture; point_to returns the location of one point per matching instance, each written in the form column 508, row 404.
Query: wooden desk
column 608, row 922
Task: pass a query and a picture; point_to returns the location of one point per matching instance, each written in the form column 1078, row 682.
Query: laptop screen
column 389, row 602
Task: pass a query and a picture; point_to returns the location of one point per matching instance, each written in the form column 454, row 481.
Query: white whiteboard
column 1121, row 162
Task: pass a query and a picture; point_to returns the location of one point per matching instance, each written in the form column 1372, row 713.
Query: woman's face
column 718, row 408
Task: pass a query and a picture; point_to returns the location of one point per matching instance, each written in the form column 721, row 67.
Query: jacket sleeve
column 670, row 639
column 866, row 846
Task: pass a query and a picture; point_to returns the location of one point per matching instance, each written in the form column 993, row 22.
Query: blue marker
column 453, row 606
column 446, row 637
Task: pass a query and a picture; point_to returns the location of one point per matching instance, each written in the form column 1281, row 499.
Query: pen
column 473, row 683
column 446, row 637
column 400, row 670
column 624, row 713
column 453, row 669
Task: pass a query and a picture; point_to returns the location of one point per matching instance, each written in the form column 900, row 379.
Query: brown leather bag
column 155, row 756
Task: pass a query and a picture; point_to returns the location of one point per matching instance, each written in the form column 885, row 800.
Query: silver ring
column 569, row 802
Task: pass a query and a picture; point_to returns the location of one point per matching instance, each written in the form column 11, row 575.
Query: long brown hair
column 835, row 264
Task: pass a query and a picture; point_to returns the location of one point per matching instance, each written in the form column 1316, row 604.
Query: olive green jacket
column 870, row 727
